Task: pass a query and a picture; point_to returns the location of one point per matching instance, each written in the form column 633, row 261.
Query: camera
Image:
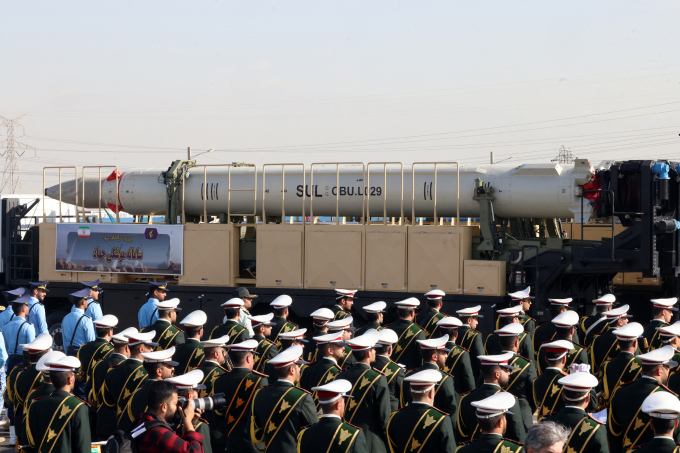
column 208, row 403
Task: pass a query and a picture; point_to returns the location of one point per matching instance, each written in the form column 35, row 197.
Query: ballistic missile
column 520, row 190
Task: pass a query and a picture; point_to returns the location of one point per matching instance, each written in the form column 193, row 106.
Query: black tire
column 54, row 327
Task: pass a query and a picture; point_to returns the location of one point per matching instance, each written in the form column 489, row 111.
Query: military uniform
column 119, row 385
column 577, row 355
column 370, row 406
column 166, row 336
column 189, row 355
column 458, row 364
column 95, row 381
column 44, row 390
column 265, row 351
column 310, row 347
column 651, row 338
column 658, row 445
column 71, row 426
column 521, row 385
column 623, row 368
column 202, row 426
column 279, row 411
column 546, row 332
column 394, row 375
column 587, row 434
column 468, row 428
column 491, row 443
column 135, row 407
column 527, row 322
column 592, row 326
column 339, row 313
column 237, row 333
column 526, row 348
column 331, row 432
column 446, row 398
column 419, row 428
column 604, row 347
column 281, row 325
column 318, row 373
column 92, row 352
column 471, row 340
column 407, row 350
column 428, row 318
column 371, row 325
column 547, row 392
column 211, row 372
column 28, row 380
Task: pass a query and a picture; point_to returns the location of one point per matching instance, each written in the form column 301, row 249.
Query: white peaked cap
column 234, row 302
column 512, row 311
column 661, row 405
column 387, row 337
column 160, row 356
column 335, row 337
column 558, row 347
column 340, row 324
column 579, row 381
column 665, row 303
column 659, row 356
column 322, row 314
column 470, row 311
column 190, row 380
column 498, row 359
column 288, row 357
column 106, row 321
column 216, row 342
column 411, row 302
column 51, row 356
column 423, row 381
column 120, row 336
column 449, row 322
column 630, row 331
column 345, row 293
column 613, row 315
column 244, row 346
column 135, row 338
column 365, row 341
column 170, row 304
column 519, row 295
column 511, row 330
column 262, row 319
column 563, row 302
column 42, row 342
column 375, row 307
column 605, row 300
column 282, row 301
column 667, row 333
column 195, row 319
column 435, row 294
column 566, row 319
column 333, row 391
column 66, row 363
column 497, row 404
column 435, row 343
column 297, row 335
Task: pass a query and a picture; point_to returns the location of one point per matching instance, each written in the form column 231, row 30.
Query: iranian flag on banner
column 83, row 232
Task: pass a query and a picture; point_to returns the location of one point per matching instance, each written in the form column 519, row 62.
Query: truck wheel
column 54, row 323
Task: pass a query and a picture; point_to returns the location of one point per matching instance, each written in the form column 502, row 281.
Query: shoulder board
column 596, row 420
column 513, row 442
column 541, row 324
column 460, row 347
column 460, row 444
column 312, row 363
column 203, row 420
column 337, row 366
column 440, row 411
column 259, row 374
column 421, row 327
column 582, row 347
column 177, row 328
column 292, row 323
column 465, row 393
column 300, row 388
column 522, row 357
column 307, row 335
column 264, row 387
column 378, row 371
column 564, row 374
column 44, row 396
column 86, row 403
column 385, row 325
column 116, row 365
column 448, row 374
column 218, row 366
column 419, row 312
column 669, row 390
column 626, row 383
column 353, row 426
column 270, row 341
column 308, row 426
column 635, row 447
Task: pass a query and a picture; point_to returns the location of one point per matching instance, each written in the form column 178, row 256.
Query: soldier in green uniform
column 492, row 415
column 428, row 318
column 469, row 338
column 588, row 435
column 670, row 336
column 281, row 307
column 286, row 340
column 369, row 407
column 330, row 349
column 545, row 332
column 420, row 426
column 122, row 381
column 331, row 433
column 547, row 392
column 623, row 368
column 597, row 324
column 279, row 411
column 213, row 365
column 663, row 414
column 565, row 327
column 496, row 374
column 509, row 316
column 662, row 310
column 158, row 367
column 604, row 346
column 433, row 353
column 458, row 362
column 523, row 300
column 627, row 426
column 190, row 354
column 266, row 349
column 345, row 301
column 374, row 315
column 394, row 373
column 94, row 351
column 230, row 427
column 188, row 386
column 70, row 430
column 167, row 334
column 319, row 319
column 236, row 332
column 344, row 325
column 407, row 350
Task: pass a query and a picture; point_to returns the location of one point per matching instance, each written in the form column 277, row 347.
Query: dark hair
column 507, row 342
column 46, row 377
column 280, row 311
column 554, row 357
column 505, row 320
column 231, row 313
column 464, row 319
column 426, row 354
column 118, row 345
column 33, row 358
column 404, row 312
column 563, row 333
column 258, row 328
column 238, row 358
column 159, row 392
column 360, row 355
column 488, row 371
column 657, row 311
column 320, row 324
column 286, row 343
column 372, row 317
column 625, row 344
column 556, row 310
column 192, row 331
column 164, row 313
column 16, row 308
column 487, row 424
column 571, row 396
column 662, row 425
column 103, row 331
column 151, row 368
column 649, row 368
column 134, row 349
column 434, row 303
column 328, row 406
column 601, row 308
column 60, row 378
column 282, row 372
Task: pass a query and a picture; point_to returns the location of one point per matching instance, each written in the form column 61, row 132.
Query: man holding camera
column 187, row 388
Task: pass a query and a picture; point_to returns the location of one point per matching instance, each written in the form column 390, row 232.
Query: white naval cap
column 135, row 338
column 665, row 303
column 266, row 320
column 387, row 337
column 497, row 404
column 630, row 331
column 341, row 324
column 578, row 382
column 322, row 315
column 667, row 333
column 435, row 343
column 661, row 405
column 342, row 293
column 423, row 381
column 106, row 321
column 567, row 318
column 449, row 322
column 435, row 294
column 120, row 336
column 562, row 302
column 659, row 356
column 51, row 356
column 498, row 359
column 470, row 311
column 170, row 304
column 297, row 335
column 244, row 346
column 375, row 307
column 607, row 299
column 163, row 356
column 190, row 380
column 520, row 295
column 216, row 342
column 288, row 357
column 511, row 330
column 510, row 312
column 196, row 318
column 282, row 301
column 335, row 337
column 409, row 303
column 613, row 315
column 365, row 341
column 560, row 347
column 234, row 302
column 41, row 343
column 66, row 363
column 333, row 391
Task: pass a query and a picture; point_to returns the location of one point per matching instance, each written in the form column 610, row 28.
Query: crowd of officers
column 428, row 382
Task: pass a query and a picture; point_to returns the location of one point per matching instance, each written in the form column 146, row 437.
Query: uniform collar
column 430, row 366
column 285, row 382
column 421, row 402
column 492, row 435
column 362, row 364
column 331, row 416
column 665, row 438
column 163, row 320
column 193, row 340
column 575, row 408
column 151, row 300
column 118, row 353
column 133, row 358
column 212, row 361
column 554, row 368
column 330, row 358
column 77, row 310
column 493, row 385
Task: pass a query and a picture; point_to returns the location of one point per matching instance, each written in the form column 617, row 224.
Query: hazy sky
column 134, row 83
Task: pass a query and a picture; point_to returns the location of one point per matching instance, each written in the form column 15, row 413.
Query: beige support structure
column 75, row 169
column 283, row 191
column 99, row 167
column 413, row 185
column 337, row 189
column 368, row 186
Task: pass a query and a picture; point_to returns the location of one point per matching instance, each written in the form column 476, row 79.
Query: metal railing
column 413, row 191
column 384, row 190
column 283, row 190
column 337, row 189
column 99, row 167
column 75, row 169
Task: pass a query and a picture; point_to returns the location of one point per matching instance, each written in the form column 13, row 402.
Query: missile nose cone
column 69, row 189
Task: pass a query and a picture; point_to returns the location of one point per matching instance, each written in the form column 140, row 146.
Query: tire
column 54, row 328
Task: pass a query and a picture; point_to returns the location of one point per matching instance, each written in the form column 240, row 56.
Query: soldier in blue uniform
column 76, row 330
column 36, row 309
column 148, row 314
column 94, row 308
column 7, row 315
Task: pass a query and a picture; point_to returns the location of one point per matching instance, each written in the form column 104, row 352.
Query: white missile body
column 526, row 190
